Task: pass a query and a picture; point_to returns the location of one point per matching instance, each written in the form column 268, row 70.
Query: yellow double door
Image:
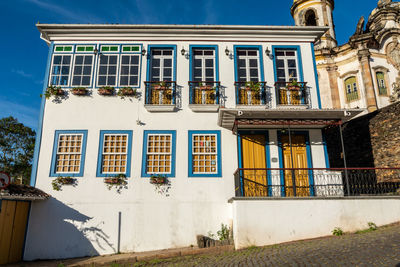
column 255, row 174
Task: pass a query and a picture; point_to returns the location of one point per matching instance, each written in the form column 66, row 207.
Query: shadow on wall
column 57, row 231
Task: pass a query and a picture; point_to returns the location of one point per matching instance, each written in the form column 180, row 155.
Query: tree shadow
column 57, row 231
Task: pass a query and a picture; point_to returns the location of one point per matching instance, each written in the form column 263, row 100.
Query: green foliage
column 60, row 181
column 17, row 143
column 119, row 182
column 372, row 226
column 337, row 231
column 253, row 86
column 52, row 91
column 223, row 234
column 127, row 91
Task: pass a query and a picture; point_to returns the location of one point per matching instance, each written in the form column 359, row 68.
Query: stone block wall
column 372, row 140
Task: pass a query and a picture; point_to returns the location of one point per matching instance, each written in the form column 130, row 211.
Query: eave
column 145, row 32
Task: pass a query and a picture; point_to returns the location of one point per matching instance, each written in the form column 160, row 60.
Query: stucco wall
column 267, row 222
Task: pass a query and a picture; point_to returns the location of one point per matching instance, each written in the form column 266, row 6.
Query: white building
column 217, row 113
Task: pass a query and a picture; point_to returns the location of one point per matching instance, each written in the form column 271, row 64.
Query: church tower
column 316, row 13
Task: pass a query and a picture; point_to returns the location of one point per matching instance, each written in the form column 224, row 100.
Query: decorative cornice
column 299, row 2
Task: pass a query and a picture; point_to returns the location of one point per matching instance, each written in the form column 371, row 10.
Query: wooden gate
column 13, row 221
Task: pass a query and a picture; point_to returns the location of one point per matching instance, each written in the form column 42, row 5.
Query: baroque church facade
column 364, row 72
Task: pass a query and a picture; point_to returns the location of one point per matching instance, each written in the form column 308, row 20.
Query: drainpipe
column 344, row 159
column 291, row 159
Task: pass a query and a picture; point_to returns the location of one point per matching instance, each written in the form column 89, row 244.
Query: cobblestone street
column 377, row 248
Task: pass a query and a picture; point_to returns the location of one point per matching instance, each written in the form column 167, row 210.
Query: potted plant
column 293, row 85
column 253, row 86
column 204, row 87
column 126, row 91
column 119, row 181
column 162, row 85
column 106, row 90
column 53, row 90
column 79, row 91
column 60, row 181
column 158, row 179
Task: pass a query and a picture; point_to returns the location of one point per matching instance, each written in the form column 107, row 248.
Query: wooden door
column 255, row 182
column 13, row 220
column 299, row 177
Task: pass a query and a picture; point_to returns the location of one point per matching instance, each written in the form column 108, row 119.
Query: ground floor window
column 68, row 153
column 204, row 153
column 114, row 153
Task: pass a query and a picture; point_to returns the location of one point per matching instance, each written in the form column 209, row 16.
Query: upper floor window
column 83, row 63
column 351, row 89
column 380, row 79
column 248, row 68
column 68, row 153
column 162, row 64
column 60, row 70
column 108, row 65
column 203, row 65
column 287, row 68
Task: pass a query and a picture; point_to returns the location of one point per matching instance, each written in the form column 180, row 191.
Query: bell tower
column 316, row 13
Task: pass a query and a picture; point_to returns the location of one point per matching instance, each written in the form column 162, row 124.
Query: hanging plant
column 79, row 91
column 60, row 181
column 253, row 86
column 161, row 183
column 127, row 91
column 52, row 91
column 106, row 90
column 119, row 182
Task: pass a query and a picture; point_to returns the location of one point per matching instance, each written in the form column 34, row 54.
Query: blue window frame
column 115, row 150
column 161, row 63
column 286, row 69
column 159, row 153
column 205, row 154
column 69, row 151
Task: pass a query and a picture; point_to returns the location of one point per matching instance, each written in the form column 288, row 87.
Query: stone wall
column 372, row 140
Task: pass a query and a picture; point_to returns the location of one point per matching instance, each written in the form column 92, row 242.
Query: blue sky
column 25, row 54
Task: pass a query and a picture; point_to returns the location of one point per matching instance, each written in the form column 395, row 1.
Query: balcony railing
column 160, row 93
column 289, row 94
column 250, row 93
column 317, row 182
column 204, row 92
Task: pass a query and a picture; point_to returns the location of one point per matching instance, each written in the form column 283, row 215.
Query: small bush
column 372, row 226
column 337, row 231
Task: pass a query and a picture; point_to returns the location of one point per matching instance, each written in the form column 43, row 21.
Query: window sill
column 301, row 106
column 204, row 108
column 262, row 106
column 160, row 108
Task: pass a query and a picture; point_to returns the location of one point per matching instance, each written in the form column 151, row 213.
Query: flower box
column 60, row 181
column 293, row 87
column 127, row 91
column 80, row 91
column 205, row 87
column 106, row 91
column 53, row 91
column 158, row 180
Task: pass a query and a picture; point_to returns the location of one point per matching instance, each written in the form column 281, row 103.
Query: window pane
column 253, row 63
column 57, row 60
column 79, row 60
column 167, row 63
column 209, row 63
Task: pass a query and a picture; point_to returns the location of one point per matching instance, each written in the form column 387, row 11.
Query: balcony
column 160, row 96
column 204, row 96
column 292, row 94
column 250, row 94
column 317, row 182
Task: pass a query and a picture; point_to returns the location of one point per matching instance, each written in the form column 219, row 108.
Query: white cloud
column 22, row 73
column 63, row 11
column 25, row 114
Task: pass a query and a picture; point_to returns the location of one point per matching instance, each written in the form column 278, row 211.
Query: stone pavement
column 376, row 248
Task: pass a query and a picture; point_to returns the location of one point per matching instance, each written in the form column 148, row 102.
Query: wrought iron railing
column 160, row 93
column 251, row 93
column 317, row 182
column 204, row 92
column 292, row 94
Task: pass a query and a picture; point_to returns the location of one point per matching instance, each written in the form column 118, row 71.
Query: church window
column 310, row 18
column 351, row 89
column 380, row 79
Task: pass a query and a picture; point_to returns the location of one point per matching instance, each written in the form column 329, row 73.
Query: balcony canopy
column 231, row 118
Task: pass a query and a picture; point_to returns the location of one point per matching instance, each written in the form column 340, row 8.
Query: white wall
column 266, row 222
column 83, row 220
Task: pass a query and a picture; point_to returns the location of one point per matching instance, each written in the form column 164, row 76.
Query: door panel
column 255, row 182
column 299, row 177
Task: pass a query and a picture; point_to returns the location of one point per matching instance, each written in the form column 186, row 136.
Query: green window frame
column 351, row 88
column 380, row 80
